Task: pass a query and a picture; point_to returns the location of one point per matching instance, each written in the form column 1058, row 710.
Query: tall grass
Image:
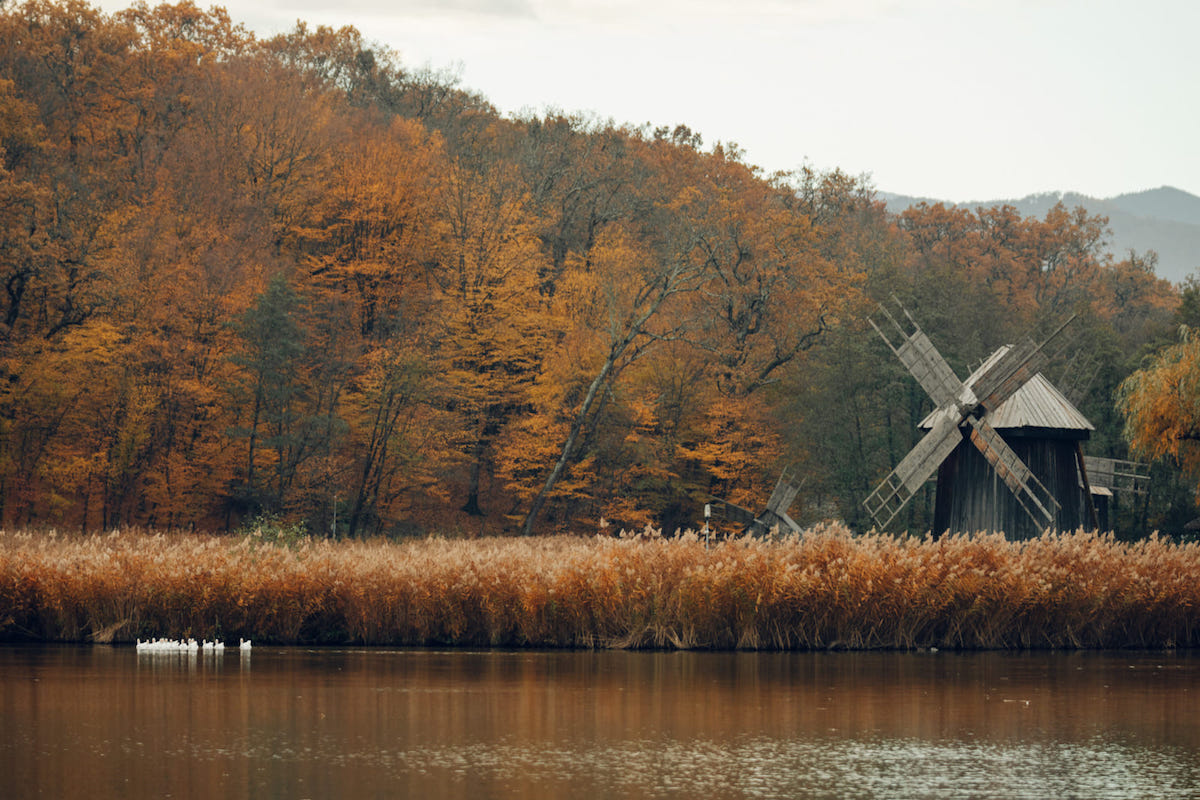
column 825, row 589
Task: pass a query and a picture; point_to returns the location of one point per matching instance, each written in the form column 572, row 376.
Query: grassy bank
column 826, row 589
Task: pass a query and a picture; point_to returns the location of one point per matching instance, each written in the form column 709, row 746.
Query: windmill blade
column 922, row 359
column 786, row 489
column 771, row 520
column 910, row 474
column 1078, row 376
column 733, row 512
column 1031, row 493
column 1008, row 374
column 1013, row 370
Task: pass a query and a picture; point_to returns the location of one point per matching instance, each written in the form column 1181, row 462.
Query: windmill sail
column 1012, row 370
column 1008, row 373
column 739, row 515
column 918, row 466
column 923, row 361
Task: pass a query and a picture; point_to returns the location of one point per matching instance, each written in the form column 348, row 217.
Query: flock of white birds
column 185, row 646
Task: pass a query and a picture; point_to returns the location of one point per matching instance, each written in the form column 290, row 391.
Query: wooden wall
column 971, row 496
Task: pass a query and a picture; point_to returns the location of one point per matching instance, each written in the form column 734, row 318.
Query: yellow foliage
column 1161, row 404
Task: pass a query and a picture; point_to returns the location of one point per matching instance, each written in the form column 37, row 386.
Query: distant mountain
column 1165, row 220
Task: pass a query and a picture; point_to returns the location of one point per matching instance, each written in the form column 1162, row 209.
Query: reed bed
column 824, row 589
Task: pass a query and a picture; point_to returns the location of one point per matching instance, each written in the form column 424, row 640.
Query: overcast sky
column 952, row 99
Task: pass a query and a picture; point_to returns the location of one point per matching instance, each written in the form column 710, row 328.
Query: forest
column 296, row 279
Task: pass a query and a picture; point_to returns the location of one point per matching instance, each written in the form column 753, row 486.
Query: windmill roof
column 1037, row 404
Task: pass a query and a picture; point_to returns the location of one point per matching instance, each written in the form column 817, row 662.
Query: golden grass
column 825, row 589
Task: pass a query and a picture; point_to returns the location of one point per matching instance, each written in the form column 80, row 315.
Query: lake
column 108, row 722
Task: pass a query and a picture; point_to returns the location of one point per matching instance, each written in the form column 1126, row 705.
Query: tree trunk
column 568, row 449
column 472, row 504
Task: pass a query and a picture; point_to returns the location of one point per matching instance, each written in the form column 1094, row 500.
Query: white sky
column 958, row 100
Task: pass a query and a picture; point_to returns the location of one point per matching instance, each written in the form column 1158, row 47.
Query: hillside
column 291, row 285
column 1165, row 220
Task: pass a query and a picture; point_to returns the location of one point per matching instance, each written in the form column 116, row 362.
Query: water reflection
column 106, row 722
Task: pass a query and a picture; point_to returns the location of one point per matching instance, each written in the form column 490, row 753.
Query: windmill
column 961, row 429
column 775, row 515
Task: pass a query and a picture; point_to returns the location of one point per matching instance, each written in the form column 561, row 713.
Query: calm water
column 106, row 722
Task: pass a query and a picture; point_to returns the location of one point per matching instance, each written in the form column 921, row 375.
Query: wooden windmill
column 983, row 482
column 774, row 516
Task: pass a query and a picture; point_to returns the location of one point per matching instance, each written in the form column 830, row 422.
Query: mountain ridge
column 1165, row 220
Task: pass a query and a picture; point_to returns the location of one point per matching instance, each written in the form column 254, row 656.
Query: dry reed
column 825, row 589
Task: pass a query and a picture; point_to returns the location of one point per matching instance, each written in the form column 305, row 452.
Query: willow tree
column 1161, row 404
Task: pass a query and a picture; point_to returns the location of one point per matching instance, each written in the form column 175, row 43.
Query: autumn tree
column 579, row 173
column 66, row 70
column 490, row 324
column 1161, row 404
column 289, row 389
column 633, row 290
column 847, row 413
column 389, row 404
column 25, row 208
column 372, row 244
column 60, row 169
column 712, row 258
column 375, row 231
